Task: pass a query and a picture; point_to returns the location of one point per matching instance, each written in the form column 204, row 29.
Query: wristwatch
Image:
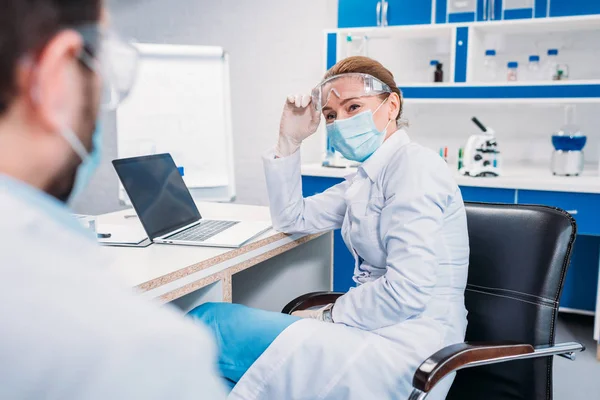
column 327, row 317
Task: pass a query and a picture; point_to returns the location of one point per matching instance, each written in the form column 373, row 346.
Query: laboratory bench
column 267, row 272
column 521, row 184
column 522, row 176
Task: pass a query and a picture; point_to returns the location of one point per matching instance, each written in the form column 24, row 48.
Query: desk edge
column 230, row 255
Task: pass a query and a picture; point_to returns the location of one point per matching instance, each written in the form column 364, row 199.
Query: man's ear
column 51, row 84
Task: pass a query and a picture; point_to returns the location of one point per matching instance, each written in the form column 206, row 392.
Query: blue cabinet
column 567, row 8
column 583, row 206
column 343, row 262
column 580, row 288
column 518, row 13
column 541, row 8
column 364, row 13
column 440, row 11
column 462, row 54
column 357, row 13
column 409, row 12
column 312, row 185
column 487, row 195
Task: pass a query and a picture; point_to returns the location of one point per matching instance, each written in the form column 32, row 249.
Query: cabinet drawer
column 566, row 8
column 585, row 207
column 358, row 13
column 409, row 12
column 343, row 261
column 365, row 13
column 312, row 185
column 488, row 195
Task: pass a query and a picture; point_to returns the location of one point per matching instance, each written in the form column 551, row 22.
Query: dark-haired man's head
column 49, row 90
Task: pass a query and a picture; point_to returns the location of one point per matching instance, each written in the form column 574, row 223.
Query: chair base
column 416, row 394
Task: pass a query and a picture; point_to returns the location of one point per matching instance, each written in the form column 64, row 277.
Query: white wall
column 276, row 48
column 523, row 131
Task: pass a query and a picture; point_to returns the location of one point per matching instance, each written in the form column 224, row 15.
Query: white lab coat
column 70, row 330
column 403, row 218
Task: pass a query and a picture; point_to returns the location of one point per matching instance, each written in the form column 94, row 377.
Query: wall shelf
column 461, row 47
column 514, row 26
column 537, row 25
column 508, row 101
column 523, row 92
column 401, row 30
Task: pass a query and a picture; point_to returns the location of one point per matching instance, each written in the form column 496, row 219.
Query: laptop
column 167, row 211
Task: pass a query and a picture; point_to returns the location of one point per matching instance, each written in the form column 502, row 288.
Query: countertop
column 524, row 177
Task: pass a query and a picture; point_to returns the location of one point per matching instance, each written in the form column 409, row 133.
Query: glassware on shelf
column 553, row 69
column 551, row 65
column 356, row 46
column 562, row 72
column 568, row 158
column 438, row 75
column 512, row 71
column 534, row 72
column 431, row 71
column 490, row 67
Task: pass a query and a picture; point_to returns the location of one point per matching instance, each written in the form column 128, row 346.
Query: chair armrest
column 309, row 300
column 456, row 356
column 467, row 355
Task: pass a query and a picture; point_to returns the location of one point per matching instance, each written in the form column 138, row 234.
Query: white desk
column 266, row 273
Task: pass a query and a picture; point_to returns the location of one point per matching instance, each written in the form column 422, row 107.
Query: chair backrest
column 518, row 262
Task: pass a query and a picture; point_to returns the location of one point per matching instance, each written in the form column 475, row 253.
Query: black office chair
column 519, row 259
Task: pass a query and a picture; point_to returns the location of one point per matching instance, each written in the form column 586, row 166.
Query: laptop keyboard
column 203, row 231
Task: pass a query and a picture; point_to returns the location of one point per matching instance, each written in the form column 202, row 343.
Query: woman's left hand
column 320, row 314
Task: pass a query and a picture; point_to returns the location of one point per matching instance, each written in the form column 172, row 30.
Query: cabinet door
column 580, row 287
column 343, row 262
column 583, row 207
column 409, row 12
column 357, row 13
column 487, row 195
column 565, row 8
column 462, row 10
column 518, row 9
column 541, row 8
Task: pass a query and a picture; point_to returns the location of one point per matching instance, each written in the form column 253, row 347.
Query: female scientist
column 402, row 217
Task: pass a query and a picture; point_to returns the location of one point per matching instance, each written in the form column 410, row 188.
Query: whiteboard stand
column 181, row 104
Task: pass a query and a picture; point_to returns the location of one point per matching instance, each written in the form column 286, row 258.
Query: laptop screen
column 157, row 191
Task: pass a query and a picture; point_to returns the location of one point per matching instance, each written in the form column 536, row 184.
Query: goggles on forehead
column 113, row 58
column 347, row 86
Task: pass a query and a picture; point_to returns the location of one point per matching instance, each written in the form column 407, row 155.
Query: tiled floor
column 579, row 379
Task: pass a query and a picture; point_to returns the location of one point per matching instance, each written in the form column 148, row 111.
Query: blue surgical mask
column 357, row 138
column 90, row 161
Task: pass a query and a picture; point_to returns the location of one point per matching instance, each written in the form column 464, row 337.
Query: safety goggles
column 113, row 58
column 347, row 86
